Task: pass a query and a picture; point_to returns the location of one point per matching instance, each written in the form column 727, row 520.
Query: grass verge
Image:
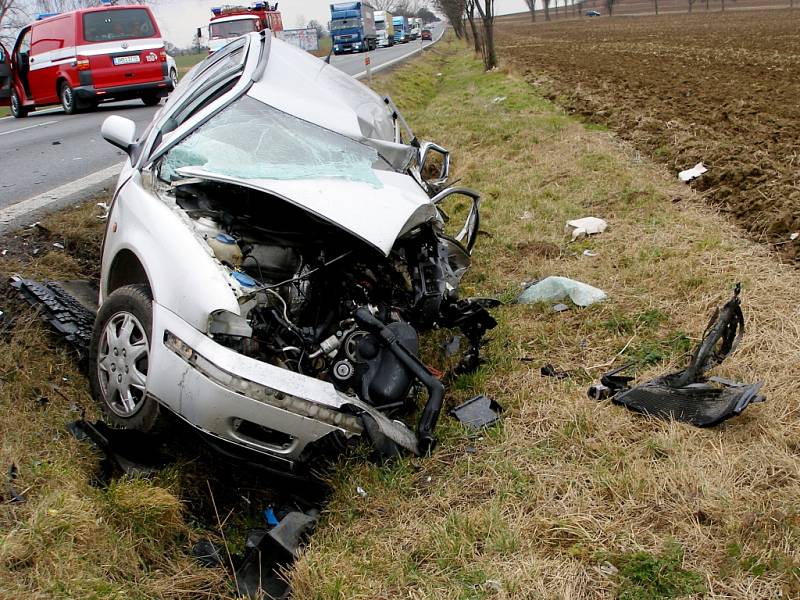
column 567, row 497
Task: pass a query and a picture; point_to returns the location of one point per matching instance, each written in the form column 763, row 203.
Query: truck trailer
column 384, row 27
column 401, row 29
column 353, row 27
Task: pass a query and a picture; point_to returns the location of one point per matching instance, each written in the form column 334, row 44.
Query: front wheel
column 119, row 359
column 173, row 75
column 68, row 102
column 17, row 109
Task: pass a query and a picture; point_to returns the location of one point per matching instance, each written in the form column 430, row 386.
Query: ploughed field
column 721, row 88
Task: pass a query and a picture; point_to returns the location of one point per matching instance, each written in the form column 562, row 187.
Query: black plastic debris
column 13, row 495
column 689, row 395
column 480, row 411
column 206, row 553
column 549, row 370
column 67, row 306
column 267, row 552
column 124, row 450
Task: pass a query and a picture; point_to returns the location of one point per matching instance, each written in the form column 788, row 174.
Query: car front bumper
column 124, row 92
column 250, row 403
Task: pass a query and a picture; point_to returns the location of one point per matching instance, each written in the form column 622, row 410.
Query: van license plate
column 126, row 60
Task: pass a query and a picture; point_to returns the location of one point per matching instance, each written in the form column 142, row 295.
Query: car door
column 5, row 77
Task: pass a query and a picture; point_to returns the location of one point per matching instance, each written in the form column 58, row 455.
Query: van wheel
column 119, row 356
column 174, row 77
column 17, row 109
column 150, row 100
column 68, row 99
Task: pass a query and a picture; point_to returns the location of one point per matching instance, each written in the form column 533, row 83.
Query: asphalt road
column 49, row 149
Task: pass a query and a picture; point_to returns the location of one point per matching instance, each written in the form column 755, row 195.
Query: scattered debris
column 693, row 173
column 269, row 515
column 361, row 492
column 55, row 143
column 14, row 496
column 688, row 395
column 105, row 208
column 560, row 308
column 589, row 253
column 125, row 450
column 452, row 346
column 549, row 370
column 65, row 306
column 554, row 288
column 580, row 228
column 794, row 235
column 58, row 245
column 206, row 553
column 498, row 99
column 268, row 552
column 526, row 216
column 478, row 412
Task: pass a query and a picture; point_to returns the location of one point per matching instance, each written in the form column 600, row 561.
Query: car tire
column 173, row 75
column 68, row 100
column 150, row 100
column 119, row 356
column 17, row 109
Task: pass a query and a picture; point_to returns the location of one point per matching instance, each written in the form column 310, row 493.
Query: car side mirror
column 434, row 163
column 120, row 132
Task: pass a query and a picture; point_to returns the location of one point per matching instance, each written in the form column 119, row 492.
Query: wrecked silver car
column 276, row 243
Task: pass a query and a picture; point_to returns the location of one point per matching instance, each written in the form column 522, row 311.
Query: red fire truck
column 230, row 22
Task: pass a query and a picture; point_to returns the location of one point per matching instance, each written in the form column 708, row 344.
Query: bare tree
column 691, row 3
column 12, row 17
column 532, row 7
column 486, row 11
column 610, row 7
column 546, row 9
column 454, row 11
column 469, row 9
column 655, row 2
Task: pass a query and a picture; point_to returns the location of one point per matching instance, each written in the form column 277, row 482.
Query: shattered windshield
column 252, row 140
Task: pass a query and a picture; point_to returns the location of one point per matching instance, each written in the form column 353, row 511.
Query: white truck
column 416, row 27
column 385, row 28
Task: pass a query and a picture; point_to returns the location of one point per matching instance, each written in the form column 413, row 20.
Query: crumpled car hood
column 377, row 216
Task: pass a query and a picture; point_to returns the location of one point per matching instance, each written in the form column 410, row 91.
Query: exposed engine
column 323, row 303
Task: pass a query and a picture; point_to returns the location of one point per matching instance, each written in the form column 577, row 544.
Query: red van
column 84, row 57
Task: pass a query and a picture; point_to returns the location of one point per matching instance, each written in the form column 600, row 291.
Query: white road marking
column 20, row 209
column 29, row 127
column 44, row 111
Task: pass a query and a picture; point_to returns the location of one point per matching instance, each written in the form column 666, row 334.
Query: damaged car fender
column 181, row 271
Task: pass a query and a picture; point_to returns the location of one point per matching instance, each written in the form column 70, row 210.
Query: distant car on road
column 592, row 13
column 426, row 34
column 83, row 57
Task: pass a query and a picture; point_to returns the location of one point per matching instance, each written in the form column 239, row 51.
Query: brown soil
column 721, row 88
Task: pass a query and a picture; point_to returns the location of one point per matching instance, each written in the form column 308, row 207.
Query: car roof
column 302, row 85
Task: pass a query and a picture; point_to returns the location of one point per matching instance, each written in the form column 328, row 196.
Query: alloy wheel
column 122, row 361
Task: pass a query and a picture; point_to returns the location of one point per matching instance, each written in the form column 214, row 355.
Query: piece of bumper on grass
column 700, row 404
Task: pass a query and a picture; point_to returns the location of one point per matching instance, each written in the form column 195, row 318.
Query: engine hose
column 430, row 413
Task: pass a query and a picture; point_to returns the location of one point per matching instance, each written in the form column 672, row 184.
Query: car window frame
column 157, row 143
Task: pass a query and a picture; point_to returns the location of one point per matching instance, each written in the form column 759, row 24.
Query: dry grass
column 539, row 506
column 547, row 504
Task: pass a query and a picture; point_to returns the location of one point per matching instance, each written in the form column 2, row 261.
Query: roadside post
column 368, row 66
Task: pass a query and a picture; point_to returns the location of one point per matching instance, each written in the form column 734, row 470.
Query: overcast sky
column 178, row 19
